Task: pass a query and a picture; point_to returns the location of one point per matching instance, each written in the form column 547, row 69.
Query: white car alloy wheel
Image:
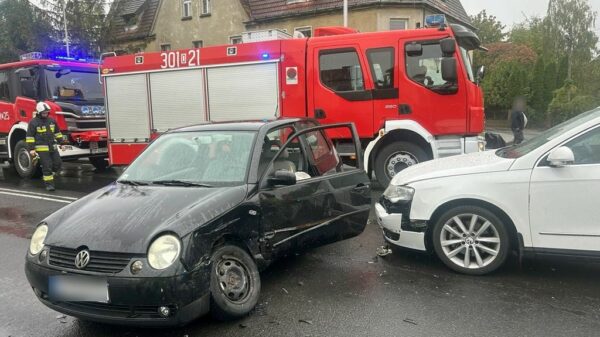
column 471, row 240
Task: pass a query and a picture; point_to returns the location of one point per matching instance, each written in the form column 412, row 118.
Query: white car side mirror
column 561, row 157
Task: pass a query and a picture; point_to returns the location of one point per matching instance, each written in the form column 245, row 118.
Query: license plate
column 78, row 289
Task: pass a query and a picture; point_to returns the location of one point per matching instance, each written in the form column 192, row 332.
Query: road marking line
column 35, row 197
column 38, row 194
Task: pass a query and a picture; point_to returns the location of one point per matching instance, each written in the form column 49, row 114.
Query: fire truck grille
column 82, row 124
column 100, row 262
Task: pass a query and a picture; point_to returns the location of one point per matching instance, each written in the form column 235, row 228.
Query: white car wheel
column 471, row 240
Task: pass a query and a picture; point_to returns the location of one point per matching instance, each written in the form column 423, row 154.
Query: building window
column 341, row 71
column 186, row 9
column 289, row 2
column 198, row 44
column 165, row 47
column 206, row 8
column 306, row 31
column 398, row 24
column 236, row 39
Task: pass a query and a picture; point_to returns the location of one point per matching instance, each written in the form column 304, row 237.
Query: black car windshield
column 517, row 151
column 73, row 84
column 192, row 159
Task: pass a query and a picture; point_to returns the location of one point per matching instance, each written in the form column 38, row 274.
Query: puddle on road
column 12, row 221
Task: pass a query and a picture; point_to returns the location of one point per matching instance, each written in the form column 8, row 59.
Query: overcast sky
column 515, row 11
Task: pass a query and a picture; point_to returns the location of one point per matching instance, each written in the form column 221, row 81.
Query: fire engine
column 412, row 94
column 72, row 89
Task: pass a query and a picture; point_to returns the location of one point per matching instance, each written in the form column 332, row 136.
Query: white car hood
column 473, row 163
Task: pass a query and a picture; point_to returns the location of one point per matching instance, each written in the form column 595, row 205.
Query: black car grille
column 116, row 310
column 100, row 262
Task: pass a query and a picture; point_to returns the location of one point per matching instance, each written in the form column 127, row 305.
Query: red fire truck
column 73, row 90
column 412, row 94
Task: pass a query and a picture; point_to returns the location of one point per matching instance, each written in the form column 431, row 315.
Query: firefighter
column 518, row 120
column 43, row 137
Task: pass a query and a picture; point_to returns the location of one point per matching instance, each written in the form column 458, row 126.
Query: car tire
column 234, row 283
column 397, row 156
column 486, row 239
column 23, row 162
column 99, row 163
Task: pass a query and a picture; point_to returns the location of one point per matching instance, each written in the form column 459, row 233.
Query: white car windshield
column 527, row 146
column 203, row 158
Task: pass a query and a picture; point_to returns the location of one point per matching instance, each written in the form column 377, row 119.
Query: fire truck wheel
column 24, row 164
column 394, row 158
column 100, row 163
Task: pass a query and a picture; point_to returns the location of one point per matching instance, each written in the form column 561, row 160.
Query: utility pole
column 345, row 13
column 66, row 29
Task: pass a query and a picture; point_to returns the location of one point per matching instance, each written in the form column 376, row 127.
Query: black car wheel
column 234, row 283
column 100, row 163
column 24, row 164
column 394, row 158
column 471, row 240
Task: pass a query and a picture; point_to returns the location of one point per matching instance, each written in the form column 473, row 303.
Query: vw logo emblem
column 82, row 259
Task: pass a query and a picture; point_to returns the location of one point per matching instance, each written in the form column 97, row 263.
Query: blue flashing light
column 265, row 56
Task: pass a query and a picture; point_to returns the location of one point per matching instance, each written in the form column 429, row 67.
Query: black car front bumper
column 133, row 300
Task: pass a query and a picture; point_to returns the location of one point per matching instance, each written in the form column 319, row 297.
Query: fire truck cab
column 412, row 94
column 73, row 91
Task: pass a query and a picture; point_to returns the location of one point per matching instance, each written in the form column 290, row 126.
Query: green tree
column 571, row 24
column 84, row 20
column 489, row 28
column 569, row 102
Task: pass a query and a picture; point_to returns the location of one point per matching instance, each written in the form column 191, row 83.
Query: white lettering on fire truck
column 178, row 59
column 4, row 116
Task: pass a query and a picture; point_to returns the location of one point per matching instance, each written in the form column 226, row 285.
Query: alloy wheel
column 470, row 241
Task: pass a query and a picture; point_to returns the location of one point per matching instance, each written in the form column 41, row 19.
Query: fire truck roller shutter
column 128, row 115
column 177, row 98
column 243, row 92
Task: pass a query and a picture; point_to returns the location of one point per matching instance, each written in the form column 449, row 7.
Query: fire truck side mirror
column 414, row 49
column 448, row 46
column 449, row 73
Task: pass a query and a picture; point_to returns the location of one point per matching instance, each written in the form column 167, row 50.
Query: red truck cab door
column 425, row 96
column 339, row 88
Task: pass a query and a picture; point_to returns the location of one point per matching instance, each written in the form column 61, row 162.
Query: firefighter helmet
column 42, row 107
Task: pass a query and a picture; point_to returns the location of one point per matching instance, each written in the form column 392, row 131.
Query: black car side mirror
column 282, row 177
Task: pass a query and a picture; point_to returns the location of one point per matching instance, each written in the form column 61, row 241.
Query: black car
column 189, row 224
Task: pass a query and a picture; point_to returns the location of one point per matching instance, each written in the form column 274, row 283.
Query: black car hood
column 123, row 218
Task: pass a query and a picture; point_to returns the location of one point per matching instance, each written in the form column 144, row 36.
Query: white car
column 540, row 197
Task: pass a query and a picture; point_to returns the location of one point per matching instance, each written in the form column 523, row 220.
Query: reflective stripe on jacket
column 43, row 134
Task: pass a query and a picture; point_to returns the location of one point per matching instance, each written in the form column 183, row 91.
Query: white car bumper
column 393, row 224
column 71, row 151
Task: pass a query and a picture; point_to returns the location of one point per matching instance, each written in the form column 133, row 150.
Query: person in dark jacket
column 518, row 120
column 43, row 137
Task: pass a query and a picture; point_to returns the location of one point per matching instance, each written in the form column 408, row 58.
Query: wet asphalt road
column 338, row 290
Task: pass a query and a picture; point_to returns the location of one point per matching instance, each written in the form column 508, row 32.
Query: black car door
column 328, row 202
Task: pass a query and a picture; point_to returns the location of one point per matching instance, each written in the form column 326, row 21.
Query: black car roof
column 250, row 125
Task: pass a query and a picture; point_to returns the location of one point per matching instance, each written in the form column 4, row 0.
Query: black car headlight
column 37, row 239
column 399, row 193
column 164, row 251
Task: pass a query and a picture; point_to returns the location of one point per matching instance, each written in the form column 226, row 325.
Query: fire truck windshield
column 73, row 84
